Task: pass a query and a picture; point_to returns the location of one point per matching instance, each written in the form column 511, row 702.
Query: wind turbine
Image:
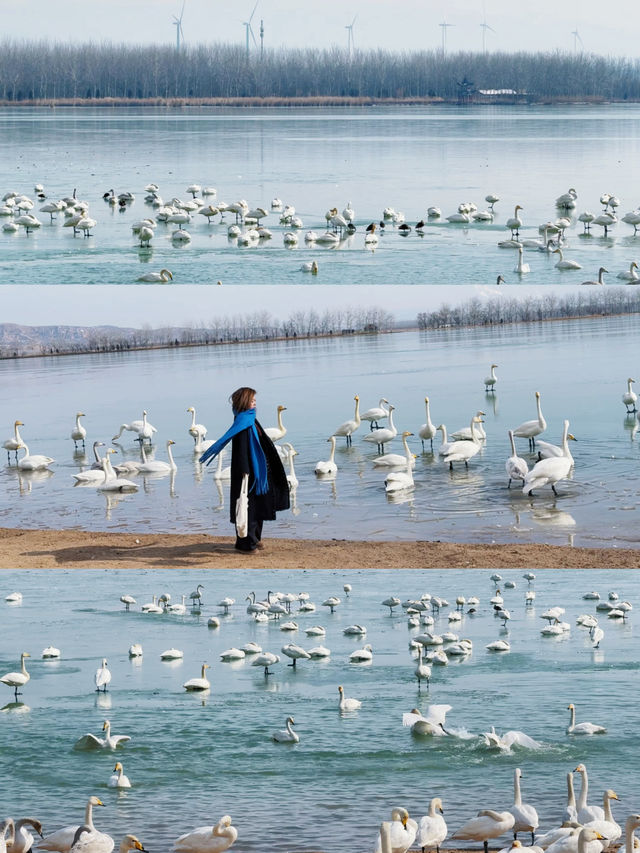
column 249, row 29
column 485, row 26
column 444, row 26
column 177, row 23
column 350, row 42
column 261, row 38
column 576, row 39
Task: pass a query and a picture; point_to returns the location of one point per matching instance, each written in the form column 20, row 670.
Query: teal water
column 193, row 757
column 580, row 369
column 407, row 158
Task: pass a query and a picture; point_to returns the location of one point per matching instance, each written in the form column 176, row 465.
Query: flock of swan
column 244, row 224
column 431, row 620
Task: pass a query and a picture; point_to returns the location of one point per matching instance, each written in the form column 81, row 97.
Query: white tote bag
column 242, row 508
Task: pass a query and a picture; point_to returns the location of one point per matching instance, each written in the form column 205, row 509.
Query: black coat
column 276, row 498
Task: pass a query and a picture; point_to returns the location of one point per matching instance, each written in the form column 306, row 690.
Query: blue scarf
column 244, row 420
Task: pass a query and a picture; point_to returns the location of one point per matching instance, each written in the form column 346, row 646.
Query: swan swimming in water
column 286, row 735
column 208, row 839
column 62, row 839
column 601, row 272
column 431, row 723
column 582, row 729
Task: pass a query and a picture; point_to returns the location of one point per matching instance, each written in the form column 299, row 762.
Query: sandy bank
column 47, row 549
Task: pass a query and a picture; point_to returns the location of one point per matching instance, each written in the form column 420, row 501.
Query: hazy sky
column 604, row 28
column 92, row 305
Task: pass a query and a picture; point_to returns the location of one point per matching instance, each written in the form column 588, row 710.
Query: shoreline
column 50, row 549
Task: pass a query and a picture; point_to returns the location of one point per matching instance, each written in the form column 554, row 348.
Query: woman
column 252, row 453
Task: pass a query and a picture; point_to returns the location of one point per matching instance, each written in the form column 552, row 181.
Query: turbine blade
column 254, row 11
column 252, row 33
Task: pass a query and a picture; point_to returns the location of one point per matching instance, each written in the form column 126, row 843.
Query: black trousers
column 254, row 534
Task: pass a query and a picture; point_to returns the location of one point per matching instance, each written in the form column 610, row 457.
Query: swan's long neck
column 443, row 430
column 565, row 443
column 333, row 449
column 582, row 802
column 407, row 450
column 78, row 421
column 432, row 808
column 629, row 834
column 23, row 668
column 88, row 815
column 385, row 837
column 17, row 433
column 516, row 790
column 391, row 424
column 512, row 442
column 193, row 418
column 356, row 416
column 204, row 669
column 280, row 425
column 539, row 410
column 607, row 809
column 472, row 425
column 26, row 450
column 289, row 727
column 571, row 797
column 628, row 387
column 426, row 405
column 108, row 468
column 493, row 372
column 170, row 455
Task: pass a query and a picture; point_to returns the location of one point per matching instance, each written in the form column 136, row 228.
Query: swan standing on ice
column 530, row 429
column 376, row 413
column 525, row 816
column 427, row 431
column 432, row 829
column 514, row 223
column 79, row 432
column 286, row 735
column 329, row 466
column 515, row 465
column 582, row 729
column 144, row 429
column 208, row 839
column 17, row 679
column 490, row 381
column 102, row 677
column 630, row 398
column 349, row 427
column 422, row 670
column 384, row 434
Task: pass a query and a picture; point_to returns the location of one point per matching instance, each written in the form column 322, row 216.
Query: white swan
column 144, row 429
column 35, row 462
column 431, row 723
column 601, row 272
column 632, row 273
column 15, row 443
column 286, row 735
column 487, row 824
column 608, row 827
column 463, row 451
column 564, row 264
column 173, row 654
column 349, row 427
column 62, row 839
column 201, row 683
column 432, row 829
column 631, row 842
column 399, row 481
column 376, row 413
column 401, row 832
column 109, row 741
column 50, row 653
column 514, row 223
column 498, row 646
column 521, row 268
column 422, row 670
column 491, row 379
column 363, row 655
column 445, row 445
column 295, row 653
column 158, row 466
column 197, row 431
column 112, row 483
column 464, row 433
column 329, row 466
column 277, row 432
column 17, row 679
column 630, row 398
column 382, row 435
column 22, row 837
column 548, row 472
column 515, row 465
column 582, row 728
column 102, row 678
column 7, row 825
column 525, row 815
column 582, row 840
column 292, row 479
column 585, row 811
column 310, row 266
column 427, row 431
column 546, row 450
column 391, row 459
column 221, row 473
column 346, row 704
column 208, row 839
column 265, row 660
column 118, row 779
column 530, row 429
column 79, row 432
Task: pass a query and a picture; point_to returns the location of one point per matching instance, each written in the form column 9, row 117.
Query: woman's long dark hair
column 241, row 399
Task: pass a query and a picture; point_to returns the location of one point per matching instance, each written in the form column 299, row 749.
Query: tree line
column 44, row 71
column 259, row 326
column 496, row 310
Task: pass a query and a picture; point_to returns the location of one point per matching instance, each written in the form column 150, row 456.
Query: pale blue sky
column 604, row 28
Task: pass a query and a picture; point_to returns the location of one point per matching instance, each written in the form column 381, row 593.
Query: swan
column 514, row 223
column 581, row 840
column 549, row 451
column 548, row 472
column 345, row 704
column 118, row 779
column 498, row 646
column 399, row 834
column 79, row 432
column 586, row 812
column 87, row 840
column 608, row 827
column 50, row 653
column 208, row 839
column 525, row 816
column 601, row 272
column 487, row 824
column 310, row 266
column 606, row 220
column 567, row 201
column 363, row 655
column 62, row 839
column 384, row 434
column 398, row 481
column 196, row 596
column 349, row 427
column 221, row 473
column 144, row 429
column 158, row 466
column 22, row 838
column 111, row 483
column 390, row 459
column 35, row 462
column 109, row 741
column 462, row 451
column 564, row 264
column 376, row 413
column 490, row 381
column 265, row 660
column 427, row 431
column 15, row 443
column 17, row 679
column 629, row 398
column 201, row 683
column 14, row 598
column 197, row 431
column 174, row 654
column 422, row 670
column 432, row 829
column 631, row 842
column 582, row 728
column 445, row 444
column 328, row 467
column 464, row 433
column 279, row 431
column 135, row 650
column 530, row 429
column 286, row 735
column 178, row 609
column 102, row 677
column 521, row 268
column 292, row 479
column 8, row 824
column 516, row 466
column 295, row 652
column 431, row 723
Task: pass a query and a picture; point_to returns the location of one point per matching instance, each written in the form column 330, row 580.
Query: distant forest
column 43, row 71
column 604, row 302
